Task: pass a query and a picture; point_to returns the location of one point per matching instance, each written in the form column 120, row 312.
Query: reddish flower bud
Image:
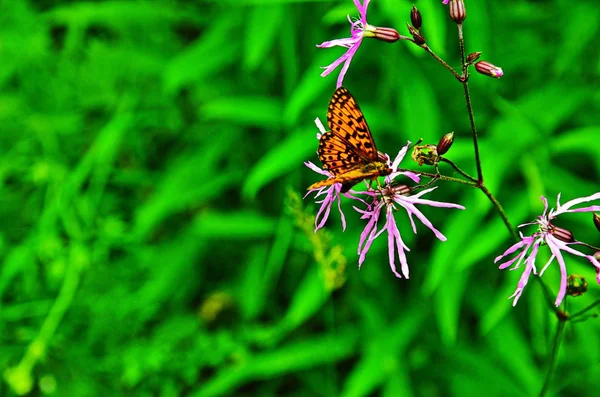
column 597, row 221
column 458, row 13
column 472, row 57
column 445, row 143
column 415, row 18
column 488, row 69
column 418, row 37
column 576, row 285
column 562, row 234
column 425, row 154
column 389, row 35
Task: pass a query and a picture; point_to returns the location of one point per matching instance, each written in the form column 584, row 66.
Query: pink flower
column 331, row 192
column 557, row 240
column 358, row 29
column 391, row 197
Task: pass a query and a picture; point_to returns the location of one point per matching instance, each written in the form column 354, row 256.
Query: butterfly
column 347, row 150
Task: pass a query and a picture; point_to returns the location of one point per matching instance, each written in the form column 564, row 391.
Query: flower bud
column 472, row 57
column 401, row 189
column 425, row 154
column 488, row 69
column 458, row 13
column 576, row 285
column 597, row 221
column 418, row 37
column 389, row 35
column 561, row 234
column 445, row 143
column 415, row 18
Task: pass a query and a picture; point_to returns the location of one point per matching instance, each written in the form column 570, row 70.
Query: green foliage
column 154, row 240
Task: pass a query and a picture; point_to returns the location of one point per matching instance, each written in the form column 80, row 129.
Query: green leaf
column 287, row 156
column 293, row 357
column 264, row 112
column 262, row 29
column 234, row 225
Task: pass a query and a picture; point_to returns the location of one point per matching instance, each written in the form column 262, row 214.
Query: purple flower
column 391, row 197
column 446, row 1
column 556, row 238
column 331, row 192
column 358, row 29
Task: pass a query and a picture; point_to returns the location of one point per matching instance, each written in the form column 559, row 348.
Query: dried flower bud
column 445, row 143
column 576, row 285
column 472, row 57
column 415, row 18
column 418, row 37
column 488, row 69
column 597, row 221
column 562, row 234
column 389, row 35
column 458, row 13
column 425, row 154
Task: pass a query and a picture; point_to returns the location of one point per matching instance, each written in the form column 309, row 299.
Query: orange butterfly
column 348, row 151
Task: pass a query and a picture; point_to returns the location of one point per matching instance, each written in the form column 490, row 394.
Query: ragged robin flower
column 358, row 29
column 391, row 198
column 558, row 241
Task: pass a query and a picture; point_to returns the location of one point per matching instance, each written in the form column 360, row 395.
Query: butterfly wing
column 348, row 151
column 346, row 120
column 337, row 155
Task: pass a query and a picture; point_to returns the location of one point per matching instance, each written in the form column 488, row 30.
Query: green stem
column 500, row 211
column 469, row 177
column 442, row 62
column 19, row 377
column 482, row 187
column 465, row 83
column 554, row 357
column 461, row 43
column 587, row 309
column 442, row 177
column 547, row 295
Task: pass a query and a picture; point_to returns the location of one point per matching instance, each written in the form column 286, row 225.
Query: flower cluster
column 348, row 125
column 558, row 241
column 387, row 199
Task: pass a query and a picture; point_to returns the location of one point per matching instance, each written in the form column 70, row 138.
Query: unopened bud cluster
column 430, row 154
column 415, row 28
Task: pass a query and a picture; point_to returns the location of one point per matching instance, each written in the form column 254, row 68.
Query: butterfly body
column 348, row 151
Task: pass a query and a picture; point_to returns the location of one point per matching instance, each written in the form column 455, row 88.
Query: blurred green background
column 153, row 237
